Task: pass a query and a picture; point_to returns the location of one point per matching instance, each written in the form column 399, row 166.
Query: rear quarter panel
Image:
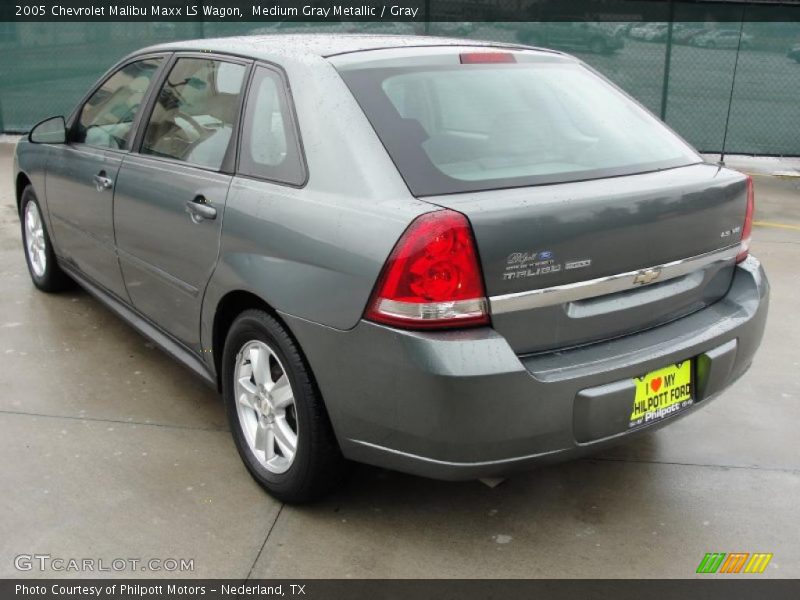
column 315, row 251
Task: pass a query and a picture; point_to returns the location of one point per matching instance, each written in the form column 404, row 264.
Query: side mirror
column 49, row 131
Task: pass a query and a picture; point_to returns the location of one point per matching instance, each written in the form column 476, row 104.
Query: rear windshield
column 477, row 127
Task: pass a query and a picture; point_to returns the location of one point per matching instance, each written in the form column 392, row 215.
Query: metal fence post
column 427, row 17
column 667, row 62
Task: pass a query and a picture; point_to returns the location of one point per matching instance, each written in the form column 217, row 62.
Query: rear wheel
column 276, row 413
column 42, row 266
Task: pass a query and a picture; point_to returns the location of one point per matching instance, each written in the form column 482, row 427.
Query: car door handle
column 200, row 209
column 101, row 182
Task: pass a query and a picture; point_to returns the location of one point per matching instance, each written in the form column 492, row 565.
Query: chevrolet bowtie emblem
column 646, row 276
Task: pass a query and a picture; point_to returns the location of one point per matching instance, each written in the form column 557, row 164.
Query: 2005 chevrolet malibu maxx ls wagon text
column 445, row 257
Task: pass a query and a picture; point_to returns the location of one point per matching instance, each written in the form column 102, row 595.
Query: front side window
column 106, row 120
column 270, row 149
column 195, row 113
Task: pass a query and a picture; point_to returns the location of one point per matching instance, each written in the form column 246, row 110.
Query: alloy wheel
column 265, row 405
column 34, row 239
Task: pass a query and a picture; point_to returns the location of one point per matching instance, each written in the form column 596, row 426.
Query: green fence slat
column 682, row 70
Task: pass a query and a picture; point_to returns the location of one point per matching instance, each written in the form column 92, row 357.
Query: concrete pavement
column 111, row 450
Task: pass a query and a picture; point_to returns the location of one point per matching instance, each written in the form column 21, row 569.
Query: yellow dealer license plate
column 662, row 393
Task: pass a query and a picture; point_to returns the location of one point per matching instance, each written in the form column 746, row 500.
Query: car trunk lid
column 569, row 264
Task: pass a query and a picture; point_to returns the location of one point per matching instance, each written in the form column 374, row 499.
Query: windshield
column 477, row 127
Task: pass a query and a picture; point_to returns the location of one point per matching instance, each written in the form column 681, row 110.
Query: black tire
column 53, row 279
column 318, row 466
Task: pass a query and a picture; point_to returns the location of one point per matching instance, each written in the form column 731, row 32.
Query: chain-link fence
column 719, row 82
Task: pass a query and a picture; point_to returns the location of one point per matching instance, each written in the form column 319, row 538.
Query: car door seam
column 162, row 274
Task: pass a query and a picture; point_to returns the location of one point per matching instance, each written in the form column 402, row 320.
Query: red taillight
column 476, row 58
column 747, row 228
column 432, row 278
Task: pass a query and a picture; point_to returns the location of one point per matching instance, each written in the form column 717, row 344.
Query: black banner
column 394, row 10
column 716, row 587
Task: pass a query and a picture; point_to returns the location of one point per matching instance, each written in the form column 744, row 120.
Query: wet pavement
column 112, row 450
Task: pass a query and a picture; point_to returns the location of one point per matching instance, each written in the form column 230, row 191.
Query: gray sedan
column 447, row 257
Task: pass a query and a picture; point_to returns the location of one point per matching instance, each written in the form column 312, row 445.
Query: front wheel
column 42, row 266
column 276, row 414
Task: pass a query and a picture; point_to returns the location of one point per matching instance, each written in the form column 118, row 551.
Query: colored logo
column 734, row 562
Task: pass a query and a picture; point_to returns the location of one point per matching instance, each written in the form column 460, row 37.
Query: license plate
column 662, row 393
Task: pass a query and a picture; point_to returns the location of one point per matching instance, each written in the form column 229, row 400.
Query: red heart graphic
column 655, row 383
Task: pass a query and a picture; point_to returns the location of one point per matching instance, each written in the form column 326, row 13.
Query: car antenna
column 733, row 85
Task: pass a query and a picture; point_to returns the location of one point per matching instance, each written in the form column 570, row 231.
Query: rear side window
column 477, row 127
column 269, row 147
column 195, row 113
column 107, row 117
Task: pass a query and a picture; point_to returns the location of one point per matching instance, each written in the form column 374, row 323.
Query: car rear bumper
column 461, row 405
